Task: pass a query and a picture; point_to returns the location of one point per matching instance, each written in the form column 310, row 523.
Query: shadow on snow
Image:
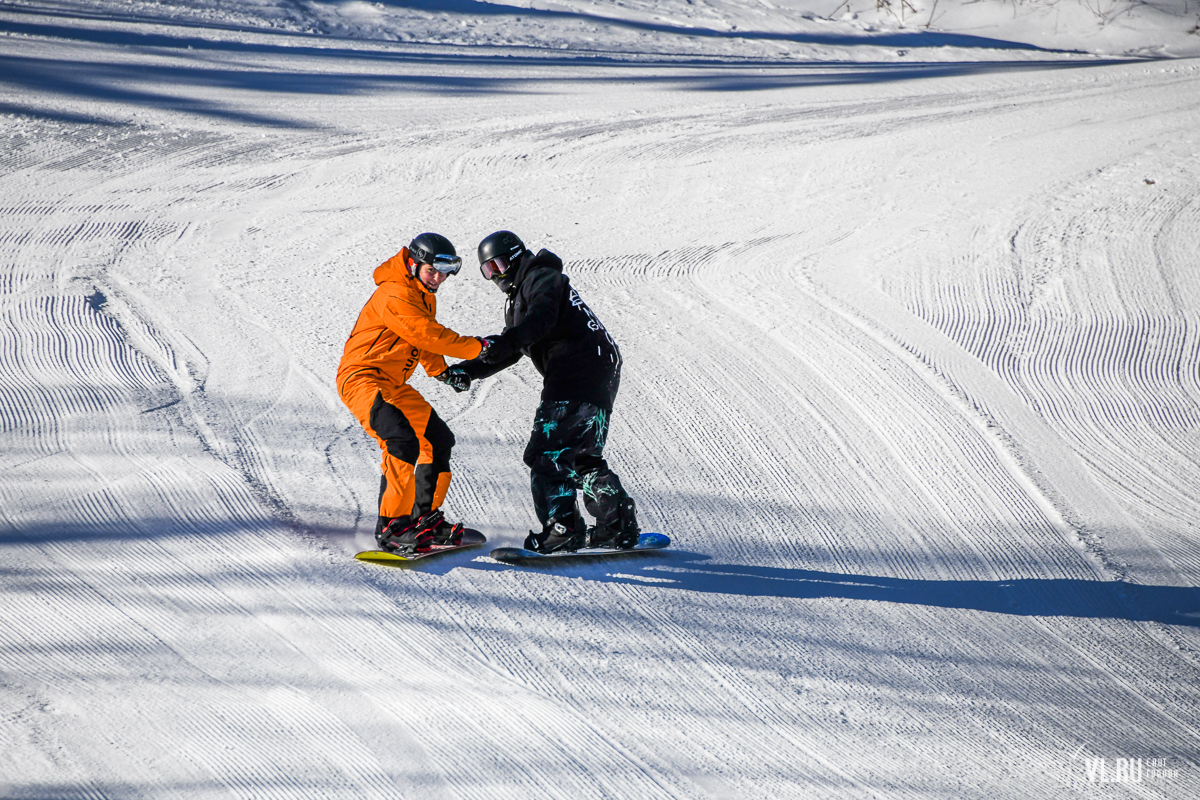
column 676, row 570
column 426, row 68
column 483, row 9
column 1028, row 597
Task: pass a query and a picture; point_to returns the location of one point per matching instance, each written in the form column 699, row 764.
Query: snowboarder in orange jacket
column 397, row 330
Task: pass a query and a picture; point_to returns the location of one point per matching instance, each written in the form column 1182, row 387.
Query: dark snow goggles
column 447, row 265
column 493, row 267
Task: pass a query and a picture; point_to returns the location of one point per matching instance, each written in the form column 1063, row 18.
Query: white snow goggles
column 447, row 265
column 493, row 267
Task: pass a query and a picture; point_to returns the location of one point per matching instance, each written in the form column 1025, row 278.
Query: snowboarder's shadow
column 667, row 570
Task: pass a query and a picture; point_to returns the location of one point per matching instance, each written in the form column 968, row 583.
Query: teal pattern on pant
column 565, row 455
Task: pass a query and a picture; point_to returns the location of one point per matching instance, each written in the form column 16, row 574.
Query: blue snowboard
column 646, row 543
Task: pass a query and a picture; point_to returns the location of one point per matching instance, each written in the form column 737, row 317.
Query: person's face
column 498, row 271
column 430, row 277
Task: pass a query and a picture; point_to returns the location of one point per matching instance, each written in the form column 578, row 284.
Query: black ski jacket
column 547, row 320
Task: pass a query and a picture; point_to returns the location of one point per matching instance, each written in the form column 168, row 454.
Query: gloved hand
column 456, row 378
column 495, row 349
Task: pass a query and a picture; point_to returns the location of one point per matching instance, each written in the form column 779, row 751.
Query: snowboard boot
column 405, row 536
column 557, row 537
column 622, row 537
column 444, row 533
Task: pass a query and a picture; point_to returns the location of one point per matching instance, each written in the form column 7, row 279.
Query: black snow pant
column 565, row 454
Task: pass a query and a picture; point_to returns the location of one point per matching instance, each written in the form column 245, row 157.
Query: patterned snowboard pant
column 565, row 454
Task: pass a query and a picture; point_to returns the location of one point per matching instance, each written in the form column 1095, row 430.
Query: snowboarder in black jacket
column 546, row 320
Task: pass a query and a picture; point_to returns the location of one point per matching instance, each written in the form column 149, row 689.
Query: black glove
column 456, row 378
column 495, row 349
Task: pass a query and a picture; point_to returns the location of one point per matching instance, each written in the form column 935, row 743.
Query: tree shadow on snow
column 137, row 81
column 480, row 9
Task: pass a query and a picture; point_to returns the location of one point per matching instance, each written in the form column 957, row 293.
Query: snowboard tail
column 646, row 543
column 471, row 538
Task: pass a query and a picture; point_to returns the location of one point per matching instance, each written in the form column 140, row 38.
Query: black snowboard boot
column 405, row 535
column 622, row 537
column 557, row 536
column 444, row 533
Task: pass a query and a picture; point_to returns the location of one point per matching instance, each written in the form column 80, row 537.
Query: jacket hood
column 544, row 259
column 395, row 269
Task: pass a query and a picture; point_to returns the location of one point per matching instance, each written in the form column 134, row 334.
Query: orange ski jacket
column 397, row 330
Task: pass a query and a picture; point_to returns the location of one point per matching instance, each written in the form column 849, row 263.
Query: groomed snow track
column 911, row 381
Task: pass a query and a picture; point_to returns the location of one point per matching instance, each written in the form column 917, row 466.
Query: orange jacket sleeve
column 414, row 323
column 433, row 363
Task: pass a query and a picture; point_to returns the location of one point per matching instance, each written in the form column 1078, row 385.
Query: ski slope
column 911, row 325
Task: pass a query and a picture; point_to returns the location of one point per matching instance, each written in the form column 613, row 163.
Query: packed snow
column 909, row 302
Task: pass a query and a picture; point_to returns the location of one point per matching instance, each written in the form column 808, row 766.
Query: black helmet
column 436, row 250
column 498, row 253
column 500, row 243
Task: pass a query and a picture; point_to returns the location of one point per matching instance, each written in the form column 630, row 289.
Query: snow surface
column 910, row 306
